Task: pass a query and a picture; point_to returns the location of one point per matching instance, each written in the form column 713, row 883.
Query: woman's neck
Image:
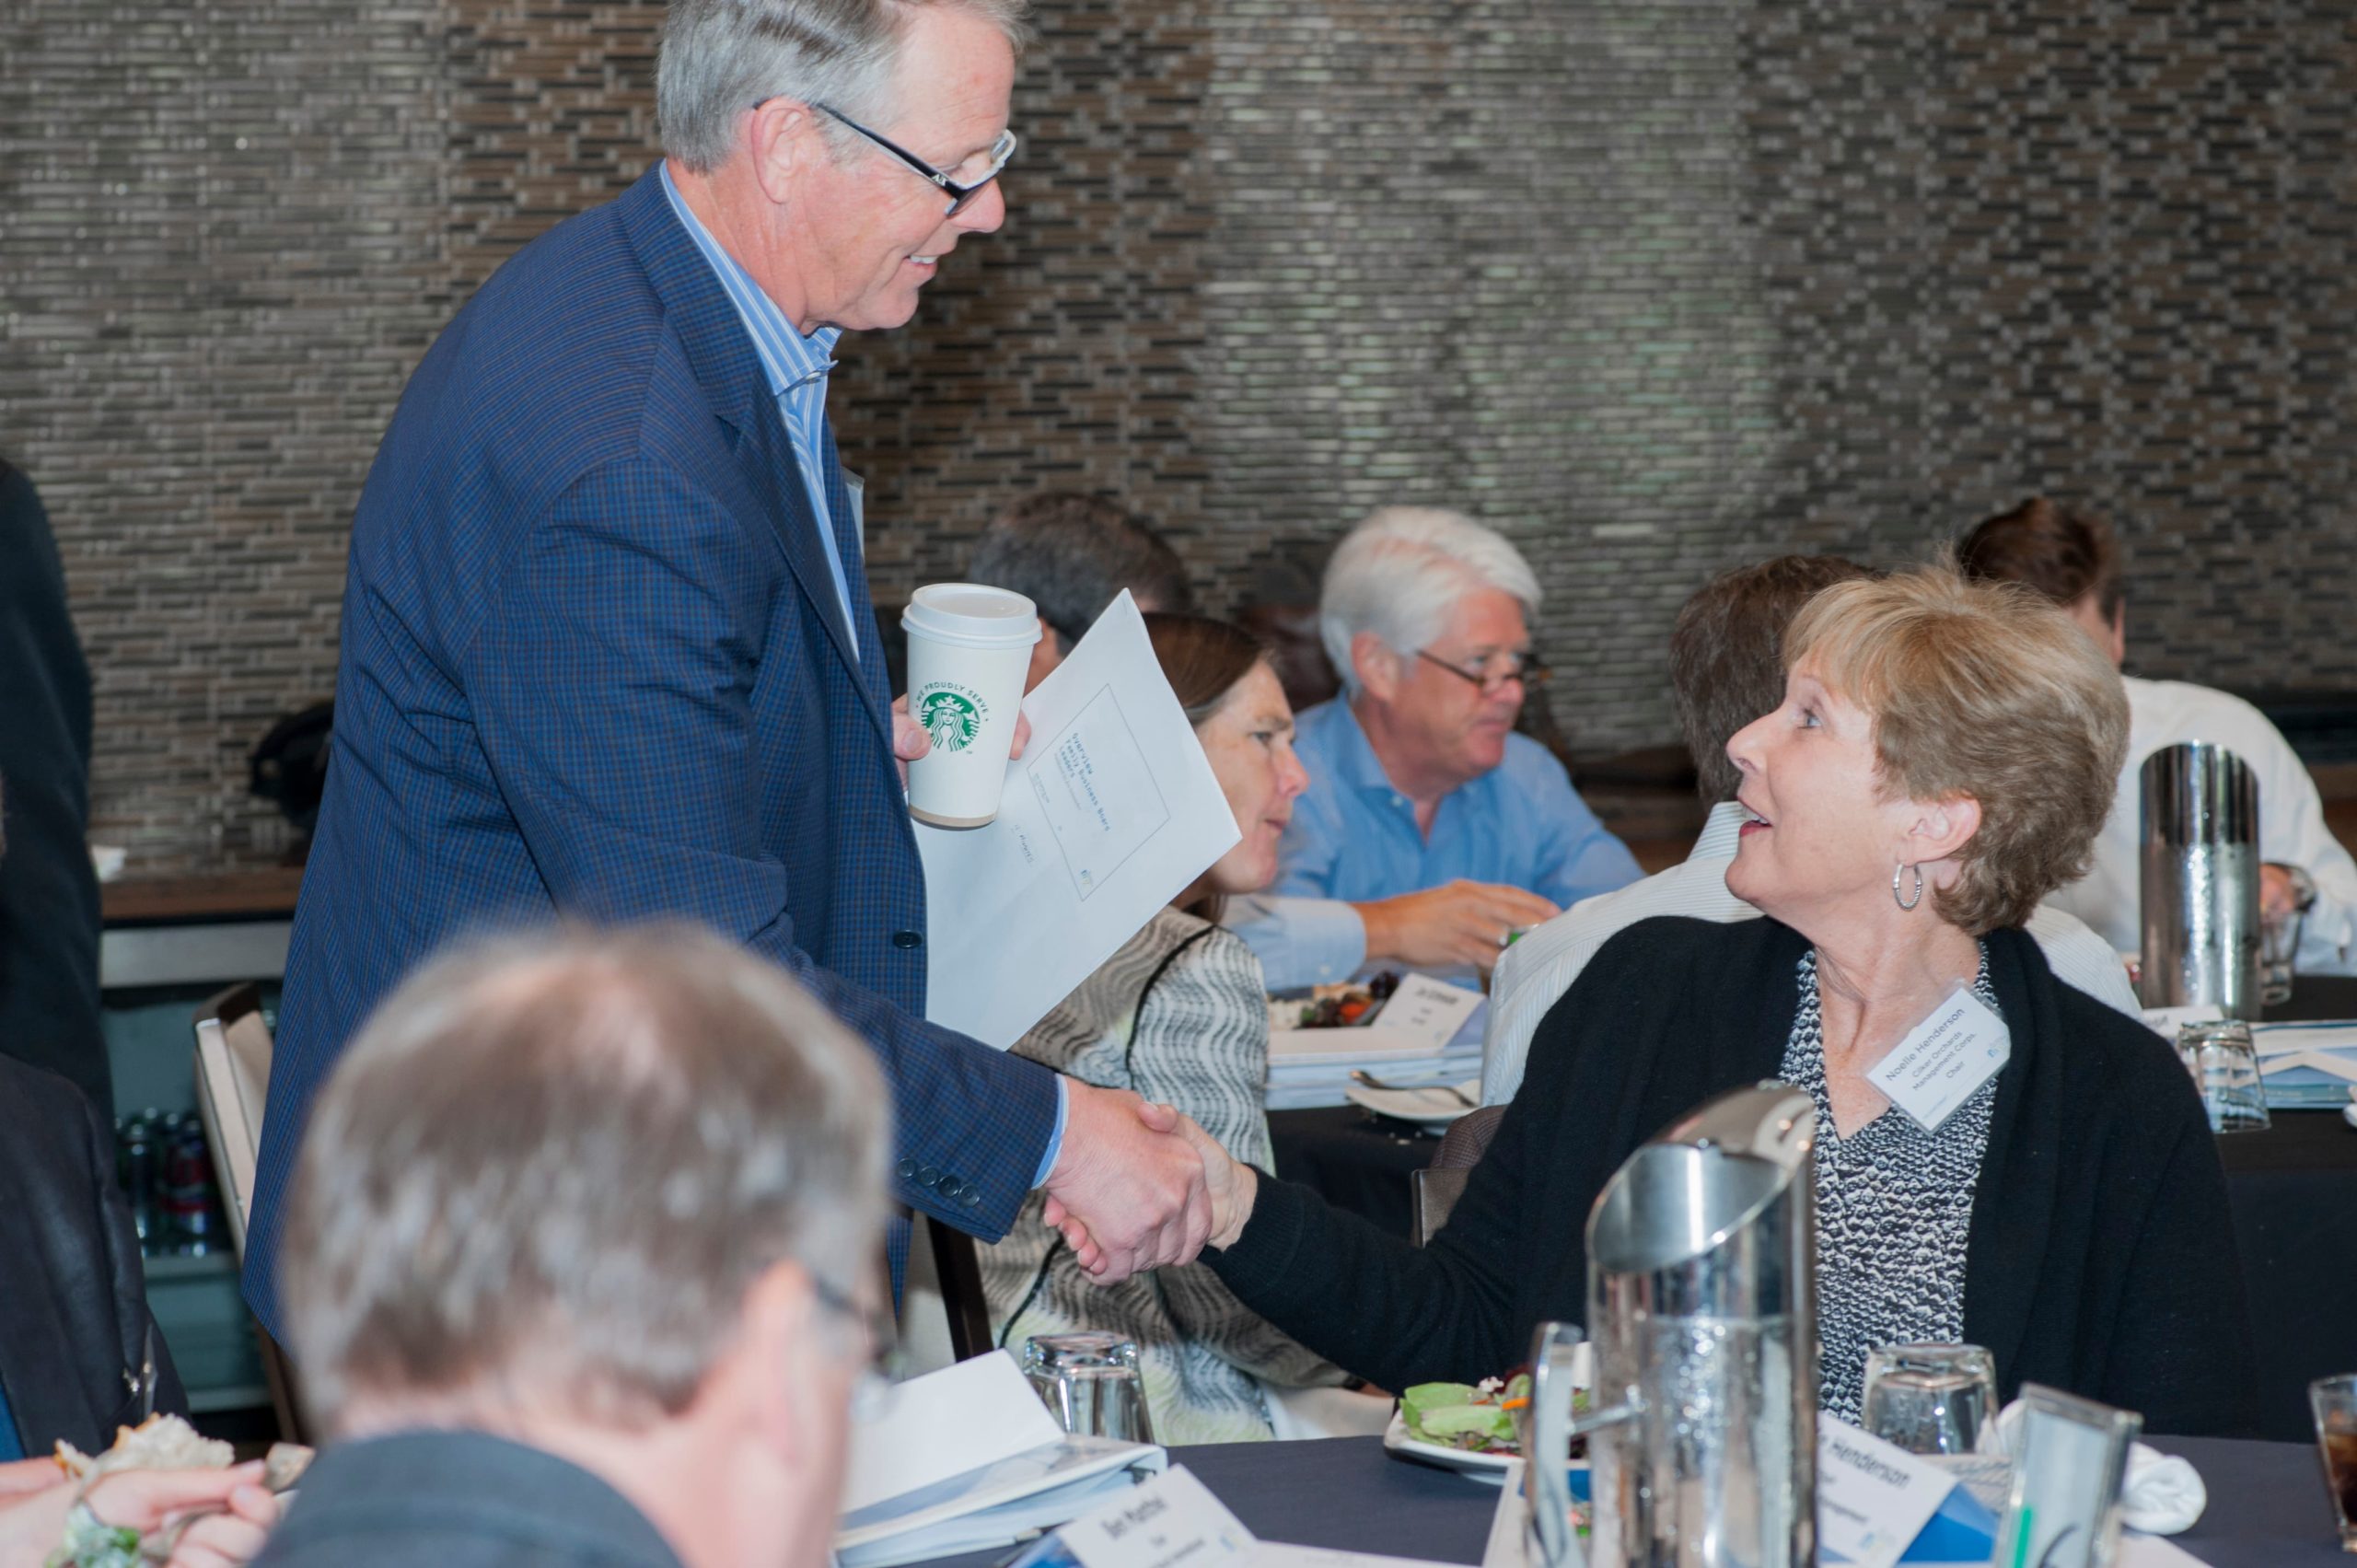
column 1872, row 987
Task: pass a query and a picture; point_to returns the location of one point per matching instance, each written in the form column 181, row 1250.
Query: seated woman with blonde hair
column 1180, row 1015
column 1940, row 761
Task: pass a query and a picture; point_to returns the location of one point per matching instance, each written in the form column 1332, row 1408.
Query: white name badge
column 1944, row 1059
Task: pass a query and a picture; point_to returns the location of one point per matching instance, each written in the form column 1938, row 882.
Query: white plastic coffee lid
column 971, row 615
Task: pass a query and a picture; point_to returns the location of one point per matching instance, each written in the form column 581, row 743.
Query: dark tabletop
column 2267, row 1507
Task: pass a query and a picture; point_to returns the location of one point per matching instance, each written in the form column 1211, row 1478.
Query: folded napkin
column 2162, row 1495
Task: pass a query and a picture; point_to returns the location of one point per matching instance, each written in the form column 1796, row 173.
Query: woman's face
column 1248, row 739
column 1821, row 834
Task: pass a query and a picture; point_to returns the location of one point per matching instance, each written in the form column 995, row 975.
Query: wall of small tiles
column 1655, row 288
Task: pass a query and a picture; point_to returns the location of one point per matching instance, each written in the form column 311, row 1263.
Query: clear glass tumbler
column 1931, row 1399
column 2279, row 944
column 2225, row 1070
column 1089, row 1383
column 2335, row 1402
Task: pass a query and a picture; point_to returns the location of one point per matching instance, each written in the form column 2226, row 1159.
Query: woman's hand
column 1233, row 1186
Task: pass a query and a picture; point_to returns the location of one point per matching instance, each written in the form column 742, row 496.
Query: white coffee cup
column 970, row 647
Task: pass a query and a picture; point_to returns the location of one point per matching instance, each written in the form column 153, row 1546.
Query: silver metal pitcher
column 2197, row 875
column 1702, row 1305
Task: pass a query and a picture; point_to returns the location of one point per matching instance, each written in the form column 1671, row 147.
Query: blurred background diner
column 464, row 471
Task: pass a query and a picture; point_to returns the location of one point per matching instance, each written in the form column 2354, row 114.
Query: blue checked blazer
column 594, row 667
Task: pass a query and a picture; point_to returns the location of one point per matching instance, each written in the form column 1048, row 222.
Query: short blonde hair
column 1982, row 689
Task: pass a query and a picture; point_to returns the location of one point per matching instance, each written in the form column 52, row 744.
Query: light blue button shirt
column 796, row 368
column 1354, row 839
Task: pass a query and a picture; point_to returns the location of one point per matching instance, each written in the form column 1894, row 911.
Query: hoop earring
column 1907, row 903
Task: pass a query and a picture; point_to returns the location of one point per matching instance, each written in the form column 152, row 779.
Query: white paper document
column 968, row 1457
column 1110, row 812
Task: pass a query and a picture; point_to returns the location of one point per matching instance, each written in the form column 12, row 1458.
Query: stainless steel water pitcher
column 2197, row 870
column 1701, row 1310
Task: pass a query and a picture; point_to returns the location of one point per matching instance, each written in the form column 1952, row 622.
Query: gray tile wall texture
column 1655, row 288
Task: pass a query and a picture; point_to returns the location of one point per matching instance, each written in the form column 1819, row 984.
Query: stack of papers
column 967, row 1458
column 1429, row 1032
column 2306, row 1066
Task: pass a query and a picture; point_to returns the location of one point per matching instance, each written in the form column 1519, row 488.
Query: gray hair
column 1400, row 572
column 1071, row 555
column 721, row 57
column 550, row 1169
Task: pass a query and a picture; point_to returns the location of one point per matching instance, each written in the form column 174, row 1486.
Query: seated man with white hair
column 1430, row 831
column 1726, row 667
column 581, row 1263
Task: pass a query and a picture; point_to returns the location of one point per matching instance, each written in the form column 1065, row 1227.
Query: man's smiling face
column 870, row 231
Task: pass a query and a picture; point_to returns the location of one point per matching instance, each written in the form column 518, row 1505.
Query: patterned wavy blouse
column 1894, row 1211
column 1180, row 1015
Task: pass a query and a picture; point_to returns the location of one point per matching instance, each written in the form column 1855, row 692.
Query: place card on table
column 1873, row 1498
column 1173, row 1519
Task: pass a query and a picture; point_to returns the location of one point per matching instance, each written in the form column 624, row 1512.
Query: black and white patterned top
column 1894, row 1208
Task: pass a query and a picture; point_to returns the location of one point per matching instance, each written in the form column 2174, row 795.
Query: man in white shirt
column 2074, row 559
column 1726, row 668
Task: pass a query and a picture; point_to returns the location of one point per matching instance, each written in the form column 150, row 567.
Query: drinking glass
column 2225, row 1070
column 1931, row 1399
column 2335, row 1401
column 1089, row 1383
column 2278, row 940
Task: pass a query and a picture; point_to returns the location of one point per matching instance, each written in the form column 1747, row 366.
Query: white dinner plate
column 1488, row 1467
column 1491, row 1467
column 1432, row 1106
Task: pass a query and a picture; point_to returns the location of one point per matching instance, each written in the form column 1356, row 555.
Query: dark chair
column 960, row 1274
column 1434, row 1192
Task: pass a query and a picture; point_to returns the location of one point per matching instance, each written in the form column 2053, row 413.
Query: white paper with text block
column 1109, row 813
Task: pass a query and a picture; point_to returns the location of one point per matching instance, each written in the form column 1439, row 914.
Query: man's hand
column 1233, row 1185
column 1127, row 1190
column 1458, row 923
column 911, row 741
column 2279, row 893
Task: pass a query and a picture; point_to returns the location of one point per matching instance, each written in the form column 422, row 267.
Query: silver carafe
column 1701, row 1310
column 2198, row 873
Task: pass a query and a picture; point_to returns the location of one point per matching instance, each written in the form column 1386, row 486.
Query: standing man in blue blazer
column 607, row 652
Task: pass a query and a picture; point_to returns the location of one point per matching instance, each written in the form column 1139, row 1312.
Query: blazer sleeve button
column 908, row 1169
column 904, row 940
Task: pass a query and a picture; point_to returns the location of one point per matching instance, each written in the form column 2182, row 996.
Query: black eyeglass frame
column 1531, row 671
column 961, row 196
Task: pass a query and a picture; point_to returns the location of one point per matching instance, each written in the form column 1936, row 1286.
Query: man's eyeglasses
column 961, row 193
column 884, row 1360
column 1493, row 673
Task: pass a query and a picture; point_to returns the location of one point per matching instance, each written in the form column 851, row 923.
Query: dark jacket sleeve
column 49, row 896
column 73, row 1322
column 1513, row 1252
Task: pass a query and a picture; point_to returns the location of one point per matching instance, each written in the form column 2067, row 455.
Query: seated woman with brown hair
column 1179, row 1015
column 1942, row 760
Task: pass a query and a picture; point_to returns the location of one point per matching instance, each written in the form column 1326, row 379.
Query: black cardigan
column 2101, row 1254
column 49, row 895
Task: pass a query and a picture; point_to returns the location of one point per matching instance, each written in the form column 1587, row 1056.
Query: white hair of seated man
column 1399, row 572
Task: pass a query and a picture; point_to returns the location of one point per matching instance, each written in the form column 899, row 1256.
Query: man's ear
column 783, row 136
column 1938, row 831
column 1377, row 667
column 780, row 1337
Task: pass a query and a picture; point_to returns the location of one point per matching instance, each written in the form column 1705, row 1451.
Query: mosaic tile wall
column 1654, row 286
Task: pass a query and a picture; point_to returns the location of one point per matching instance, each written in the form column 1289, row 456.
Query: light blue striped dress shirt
column 797, row 369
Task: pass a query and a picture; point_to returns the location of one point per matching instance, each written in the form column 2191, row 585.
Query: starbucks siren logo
column 952, row 715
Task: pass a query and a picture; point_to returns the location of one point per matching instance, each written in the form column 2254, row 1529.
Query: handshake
column 1139, row 1184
